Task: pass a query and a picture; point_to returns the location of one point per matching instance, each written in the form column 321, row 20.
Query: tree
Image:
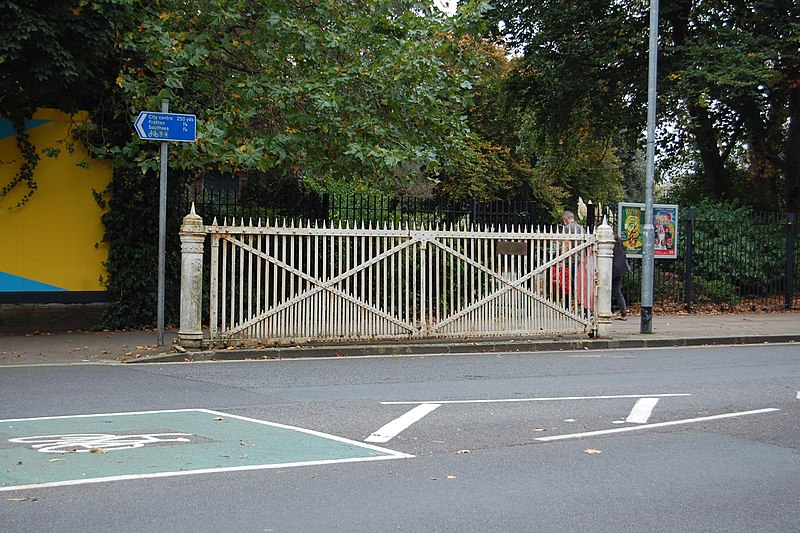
column 495, row 169
column 728, row 82
column 57, row 54
column 732, row 79
column 559, row 86
column 327, row 90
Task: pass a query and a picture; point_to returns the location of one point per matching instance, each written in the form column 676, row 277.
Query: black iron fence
column 227, row 205
column 430, row 211
column 726, row 264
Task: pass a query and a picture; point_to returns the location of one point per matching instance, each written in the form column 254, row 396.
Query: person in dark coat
column 619, row 267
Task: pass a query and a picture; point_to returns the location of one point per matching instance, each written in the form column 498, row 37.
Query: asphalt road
column 690, row 439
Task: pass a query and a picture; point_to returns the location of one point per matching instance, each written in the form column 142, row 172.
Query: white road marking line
column 393, row 428
column 200, row 471
column 553, row 399
column 640, row 413
column 657, row 425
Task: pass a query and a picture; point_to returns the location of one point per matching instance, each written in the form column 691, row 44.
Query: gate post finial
column 192, row 233
column 605, row 254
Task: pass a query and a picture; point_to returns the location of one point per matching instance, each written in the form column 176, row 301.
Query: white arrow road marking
column 658, row 425
column 640, row 413
column 393, row 428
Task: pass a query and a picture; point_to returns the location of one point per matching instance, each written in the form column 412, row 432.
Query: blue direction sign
column 153, row 126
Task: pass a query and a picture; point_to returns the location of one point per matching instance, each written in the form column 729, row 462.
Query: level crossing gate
column 282, row 283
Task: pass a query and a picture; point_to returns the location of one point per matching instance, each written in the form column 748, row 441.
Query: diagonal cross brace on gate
column 509, row 285
column 320, row 285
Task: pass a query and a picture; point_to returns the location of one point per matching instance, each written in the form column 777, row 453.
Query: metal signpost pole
column 648, row 232
column 162, row 233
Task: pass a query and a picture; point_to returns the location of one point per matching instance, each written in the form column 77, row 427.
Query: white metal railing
column 286, row 283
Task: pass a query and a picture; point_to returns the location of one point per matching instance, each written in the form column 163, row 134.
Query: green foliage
column 739, row 255
column 565, row 123
column 56, row 54
column 327, row 89
column 732, row 73
column 53, row 54
column 25, row 174
column 733, row 248
column 496, row 168
column 667, row 284
column 580, row 162
column 717, row 292
column 132, row 233
column 729, row 85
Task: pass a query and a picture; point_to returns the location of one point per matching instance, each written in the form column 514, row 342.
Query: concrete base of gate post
column 190, row 333
column 605, row 254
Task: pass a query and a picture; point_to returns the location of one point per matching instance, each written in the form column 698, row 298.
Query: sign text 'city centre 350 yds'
column 166, row 126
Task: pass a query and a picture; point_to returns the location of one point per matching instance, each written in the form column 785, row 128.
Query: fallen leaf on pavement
column 461, row 452
column 592, row 451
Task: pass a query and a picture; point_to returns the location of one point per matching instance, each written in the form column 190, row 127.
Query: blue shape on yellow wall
column 7, row 128
column 12, row 283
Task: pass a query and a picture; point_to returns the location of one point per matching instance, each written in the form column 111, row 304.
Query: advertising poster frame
column 630, row 221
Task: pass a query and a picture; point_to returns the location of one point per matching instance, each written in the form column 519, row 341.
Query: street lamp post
column 648, row 231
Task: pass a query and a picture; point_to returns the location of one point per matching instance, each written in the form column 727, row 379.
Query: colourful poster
column 631, row 221
column 665, row 226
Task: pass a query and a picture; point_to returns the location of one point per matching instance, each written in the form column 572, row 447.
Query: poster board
column 630, row 222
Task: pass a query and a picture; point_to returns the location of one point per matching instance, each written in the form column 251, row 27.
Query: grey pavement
column 117, row 347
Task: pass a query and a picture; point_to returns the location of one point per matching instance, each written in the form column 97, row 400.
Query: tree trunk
column 717, row 177
column 793, row 152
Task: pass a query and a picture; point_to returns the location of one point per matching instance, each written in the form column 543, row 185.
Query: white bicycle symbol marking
column 87, row 442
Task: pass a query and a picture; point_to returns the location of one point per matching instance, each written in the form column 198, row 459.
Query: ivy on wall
column 132, row 234
column 30, row 160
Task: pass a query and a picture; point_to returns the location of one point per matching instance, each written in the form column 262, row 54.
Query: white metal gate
column 283, row 284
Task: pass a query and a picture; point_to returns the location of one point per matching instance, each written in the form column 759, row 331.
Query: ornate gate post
column 605, row 254
column 190, row 333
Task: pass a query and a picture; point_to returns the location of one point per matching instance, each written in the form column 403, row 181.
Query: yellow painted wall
column 54, row 238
